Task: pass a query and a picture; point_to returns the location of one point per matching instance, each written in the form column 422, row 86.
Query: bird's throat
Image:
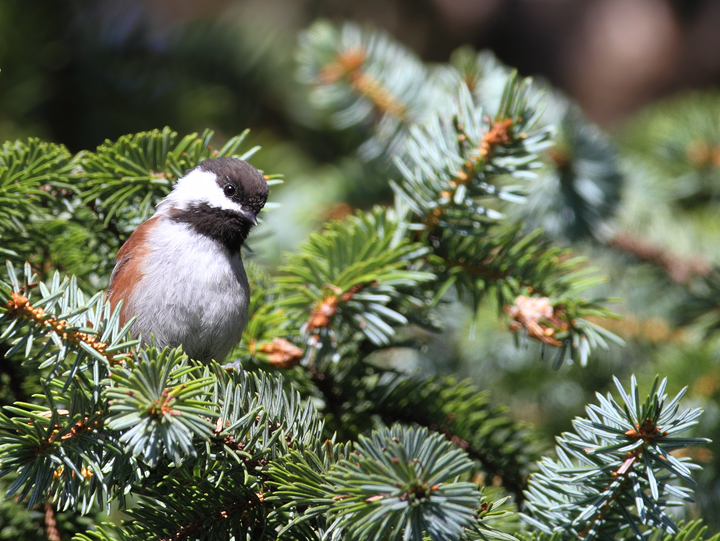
column 228, row 227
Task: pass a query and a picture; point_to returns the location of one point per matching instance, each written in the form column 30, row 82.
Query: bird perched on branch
column 180, row 272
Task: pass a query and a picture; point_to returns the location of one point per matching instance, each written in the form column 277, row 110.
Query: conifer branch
column 25, row 169
column 577, row 192
column 19, row 307
column 136, row 171
column 84, row 329
column 209, row 522
column 459, row 412
column 348, row 66
column 456, row 410
column 448, row 164
column 497, row 467
column 451, row 186
column 618, row 459
column 499, row 134
column 348, row 69
column 358, row 276
column 536, row 286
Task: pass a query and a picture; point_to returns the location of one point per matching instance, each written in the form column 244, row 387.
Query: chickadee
column 180, row 272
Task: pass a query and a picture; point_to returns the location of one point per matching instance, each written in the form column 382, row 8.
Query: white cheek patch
column 198, row 187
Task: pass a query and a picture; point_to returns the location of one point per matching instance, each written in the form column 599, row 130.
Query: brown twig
column 282, row 353
column 51, row 530
column 680, row 270
column 79, row 428
column 324, row 310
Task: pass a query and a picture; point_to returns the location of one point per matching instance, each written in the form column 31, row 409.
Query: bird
column 180, row 273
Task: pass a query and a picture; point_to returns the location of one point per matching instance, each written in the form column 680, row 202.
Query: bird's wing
column 127, row 273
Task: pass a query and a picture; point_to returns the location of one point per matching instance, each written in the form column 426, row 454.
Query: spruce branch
column 536, row 285
column 257, row 423
column 32, row 175
column 448, row 164
column 577, row 192
column 218, row 512
column 398, row 486
column 28, row 170
column 54, row 452
column 464, row 416
column 454, row 164
column 359, row 396
column 18, row 307
column 445, row 187
column 159, row 405
column 99, row 434
column 348, row 67
column 61, row 314
column 358, row 273
column 362, row 76
column 257, row 410
column 616, row 473
column 122, row 181
column 398, row 483
column 300, row 490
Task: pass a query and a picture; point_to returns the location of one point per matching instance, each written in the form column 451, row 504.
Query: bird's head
column 220, row 198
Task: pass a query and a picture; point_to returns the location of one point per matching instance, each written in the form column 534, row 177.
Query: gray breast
column 197, row 294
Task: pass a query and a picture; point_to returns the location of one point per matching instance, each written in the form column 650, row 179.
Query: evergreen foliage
column 619, row 458
column 301, row 435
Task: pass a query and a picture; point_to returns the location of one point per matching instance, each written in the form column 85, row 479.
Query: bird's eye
column 229, row 190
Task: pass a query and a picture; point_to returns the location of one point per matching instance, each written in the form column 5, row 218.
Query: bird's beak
column 250, row 216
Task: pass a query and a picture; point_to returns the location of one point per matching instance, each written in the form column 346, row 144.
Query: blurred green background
column 79, row 72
